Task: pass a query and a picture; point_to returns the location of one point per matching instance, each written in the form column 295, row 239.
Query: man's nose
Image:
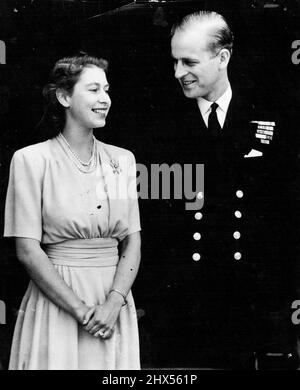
column 179, row 70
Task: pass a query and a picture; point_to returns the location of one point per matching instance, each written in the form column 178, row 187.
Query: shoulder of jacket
column 34, row 152
column 116, row 151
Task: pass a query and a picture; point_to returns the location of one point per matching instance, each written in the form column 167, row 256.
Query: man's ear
column 63, row 97
column 224, row 56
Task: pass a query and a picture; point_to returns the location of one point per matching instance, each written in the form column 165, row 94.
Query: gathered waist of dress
column 94, row 252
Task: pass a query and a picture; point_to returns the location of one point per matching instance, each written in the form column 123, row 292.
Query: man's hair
column 219, row 30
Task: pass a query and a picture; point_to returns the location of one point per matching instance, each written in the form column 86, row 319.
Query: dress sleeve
column 23, row 208
column 133, row 206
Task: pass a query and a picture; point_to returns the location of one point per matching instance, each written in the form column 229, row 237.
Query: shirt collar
column 223, row 102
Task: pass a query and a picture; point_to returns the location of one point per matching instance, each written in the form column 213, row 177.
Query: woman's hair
column 65, row 75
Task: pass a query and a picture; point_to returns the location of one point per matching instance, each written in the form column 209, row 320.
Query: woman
column 72, row 208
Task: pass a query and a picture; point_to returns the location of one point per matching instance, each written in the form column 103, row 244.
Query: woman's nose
column 104, row 99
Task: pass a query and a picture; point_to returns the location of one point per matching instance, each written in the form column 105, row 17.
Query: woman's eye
column 94, row 90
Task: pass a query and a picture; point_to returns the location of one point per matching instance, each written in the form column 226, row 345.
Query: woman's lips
column 99, row 110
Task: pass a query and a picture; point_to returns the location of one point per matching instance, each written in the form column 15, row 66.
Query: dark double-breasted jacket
column 224, row 266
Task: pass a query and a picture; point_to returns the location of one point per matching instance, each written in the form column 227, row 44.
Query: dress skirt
column 47, row 337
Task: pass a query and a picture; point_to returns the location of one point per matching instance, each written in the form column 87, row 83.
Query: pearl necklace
column 85, row 167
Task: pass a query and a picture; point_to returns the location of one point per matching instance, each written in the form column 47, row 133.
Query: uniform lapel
column 237, row 129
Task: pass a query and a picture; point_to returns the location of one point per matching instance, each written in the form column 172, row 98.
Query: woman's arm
column 44, row 275
column 128, row 266
column 106, row 315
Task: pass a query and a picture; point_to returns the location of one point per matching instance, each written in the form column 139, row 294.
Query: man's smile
column 187, row 83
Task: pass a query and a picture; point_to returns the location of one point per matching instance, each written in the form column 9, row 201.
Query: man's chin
column 190, row 94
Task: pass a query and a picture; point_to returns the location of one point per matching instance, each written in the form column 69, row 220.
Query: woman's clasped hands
column 99, row 320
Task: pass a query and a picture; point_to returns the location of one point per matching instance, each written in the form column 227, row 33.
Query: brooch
column 115, row 166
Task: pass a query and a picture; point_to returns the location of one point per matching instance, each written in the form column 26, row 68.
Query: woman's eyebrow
column 97, row 84
column 94, row 83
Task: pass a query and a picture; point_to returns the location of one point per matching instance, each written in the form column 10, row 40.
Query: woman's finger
column 104, row 334
column 88, row 315
column 94, row 330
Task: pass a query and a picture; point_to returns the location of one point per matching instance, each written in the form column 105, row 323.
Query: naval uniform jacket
column 238, row 268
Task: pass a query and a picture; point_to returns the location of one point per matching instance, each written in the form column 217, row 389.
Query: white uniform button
column 198, row 216
column 239, row 194
column 200, row 195
column 237, row 235
column 196, row 256
column 197, row 236
column 237, row 256
column 238, row 214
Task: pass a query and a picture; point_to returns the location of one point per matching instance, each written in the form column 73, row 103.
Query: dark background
column 135, row 40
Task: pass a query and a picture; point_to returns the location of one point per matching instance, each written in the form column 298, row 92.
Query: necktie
column 214, row 127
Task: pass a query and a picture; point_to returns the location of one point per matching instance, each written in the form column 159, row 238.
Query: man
column 201, row 56
column 226, row 274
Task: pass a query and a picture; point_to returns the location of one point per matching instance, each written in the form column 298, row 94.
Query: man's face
column 196, row 68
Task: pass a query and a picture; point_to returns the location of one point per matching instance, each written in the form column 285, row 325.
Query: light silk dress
column 79, row 218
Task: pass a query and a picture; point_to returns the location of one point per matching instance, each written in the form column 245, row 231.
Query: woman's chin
column 99, row 125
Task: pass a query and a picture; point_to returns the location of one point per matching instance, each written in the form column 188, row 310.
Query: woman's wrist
column 117, row 296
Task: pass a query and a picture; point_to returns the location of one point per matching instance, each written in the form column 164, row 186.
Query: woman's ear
column 63, row 97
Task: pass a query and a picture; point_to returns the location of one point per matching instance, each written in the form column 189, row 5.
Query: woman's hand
column 84, row 313
column 43, row 273
column 102, row 322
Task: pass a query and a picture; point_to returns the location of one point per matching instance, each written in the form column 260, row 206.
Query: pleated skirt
column 47, row 337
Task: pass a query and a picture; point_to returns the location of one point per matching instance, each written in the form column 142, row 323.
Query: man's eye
column 190, row 63
column 94, row 90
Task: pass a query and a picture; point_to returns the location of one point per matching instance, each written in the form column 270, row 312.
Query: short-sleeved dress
column 79, row 218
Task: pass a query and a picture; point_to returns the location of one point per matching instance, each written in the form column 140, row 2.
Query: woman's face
column 89, row 103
